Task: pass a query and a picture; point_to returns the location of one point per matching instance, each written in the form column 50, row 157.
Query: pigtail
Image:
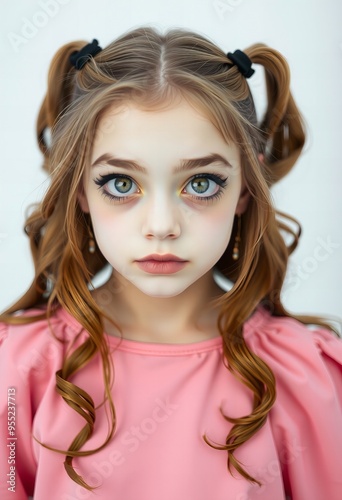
column 58, row 96
column 283, row 138
column 282, row 126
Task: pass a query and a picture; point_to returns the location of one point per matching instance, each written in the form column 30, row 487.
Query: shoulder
column 306, row 362
column 307, row 365
column 33, row 325
column 288, row 345
column 36, row 348
column 307, row 414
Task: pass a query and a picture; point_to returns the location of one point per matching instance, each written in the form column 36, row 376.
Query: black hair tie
column 81, row 57
column 243, row 63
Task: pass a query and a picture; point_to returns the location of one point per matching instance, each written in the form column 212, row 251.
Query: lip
column 161, row 266
column 167, row 257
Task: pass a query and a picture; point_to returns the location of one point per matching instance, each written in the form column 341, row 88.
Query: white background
column 307, row 32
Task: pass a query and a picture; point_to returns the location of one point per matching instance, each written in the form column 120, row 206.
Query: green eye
column 202, row 184
column 115, row 184
column 122, row 184
column 209, row 184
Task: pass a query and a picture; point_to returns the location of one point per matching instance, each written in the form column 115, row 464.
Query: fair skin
column 158, row 213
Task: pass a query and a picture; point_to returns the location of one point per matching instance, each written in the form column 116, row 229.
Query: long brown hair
column 150, row 68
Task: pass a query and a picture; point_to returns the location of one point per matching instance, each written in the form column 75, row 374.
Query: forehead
column 129, row 125
column 117, row 116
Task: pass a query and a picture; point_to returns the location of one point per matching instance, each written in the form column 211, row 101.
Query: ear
column 82, row 199
column 244, row 198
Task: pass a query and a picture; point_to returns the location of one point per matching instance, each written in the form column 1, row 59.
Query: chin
column 162, row 291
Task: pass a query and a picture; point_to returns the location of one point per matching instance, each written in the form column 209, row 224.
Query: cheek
column 214, row 231
column 112, row 229
column 102, row 220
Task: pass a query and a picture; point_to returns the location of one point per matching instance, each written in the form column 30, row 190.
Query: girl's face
column 162, row 182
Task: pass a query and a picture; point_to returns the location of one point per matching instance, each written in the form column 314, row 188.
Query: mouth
column 161, row 266
column 161, row 258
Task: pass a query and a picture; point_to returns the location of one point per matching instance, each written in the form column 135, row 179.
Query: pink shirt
column 166, row 397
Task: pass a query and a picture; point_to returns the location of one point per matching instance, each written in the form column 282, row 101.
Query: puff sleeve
column 306, row 419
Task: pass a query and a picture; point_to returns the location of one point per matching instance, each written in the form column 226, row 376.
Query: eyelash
column 102, row 180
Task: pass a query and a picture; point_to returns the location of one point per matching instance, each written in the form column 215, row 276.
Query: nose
column 161, row 217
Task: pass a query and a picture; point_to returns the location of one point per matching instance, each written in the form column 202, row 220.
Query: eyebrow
column 189, row 164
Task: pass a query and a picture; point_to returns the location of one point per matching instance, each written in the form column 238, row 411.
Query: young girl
column 164, row 383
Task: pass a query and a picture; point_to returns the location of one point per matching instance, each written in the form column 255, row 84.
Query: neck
column 186, row 317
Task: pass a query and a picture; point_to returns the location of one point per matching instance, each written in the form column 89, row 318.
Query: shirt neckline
column 153, row 348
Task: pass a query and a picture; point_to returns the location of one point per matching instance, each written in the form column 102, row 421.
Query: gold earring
column 91, row 241
column 236, row 249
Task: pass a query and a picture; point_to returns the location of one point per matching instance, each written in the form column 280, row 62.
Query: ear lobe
column 242, row 204
column 82, row 199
